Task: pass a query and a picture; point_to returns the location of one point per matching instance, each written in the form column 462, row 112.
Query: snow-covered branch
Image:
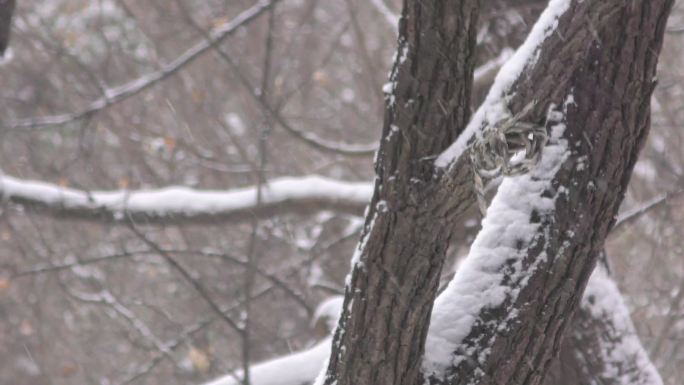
column 601, row 346
column 280, row 196
column 133, row 87
column 496, row 107
column 505, row 311
column 497, row 265
column 603, row 340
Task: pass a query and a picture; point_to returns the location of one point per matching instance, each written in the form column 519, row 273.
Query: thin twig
column 201, row 290
column 391, row 17
column 361, row 150
column 126, row 90
column 52, row 268
column 631, row 216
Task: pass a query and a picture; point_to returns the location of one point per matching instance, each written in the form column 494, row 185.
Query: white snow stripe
column 495, row 108
column 184, row 201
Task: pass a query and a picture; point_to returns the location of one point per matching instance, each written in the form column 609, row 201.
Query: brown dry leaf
column 70, row 39
column 63, row 181
column 200, row 359
column 169, row 143
column 69, row 369
column 279, row 84
column 71, row 7
column 151, row 272
column 321, row 78
column 124, row 183
column 219, row 21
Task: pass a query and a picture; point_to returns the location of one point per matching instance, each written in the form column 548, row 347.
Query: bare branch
column 133, row 87
column 106, row 297
column 390, row 17
column 631, row 216
column 310, row 139
column 185, row 334
column 169, row 345
column 201, row 290
column 277, row 282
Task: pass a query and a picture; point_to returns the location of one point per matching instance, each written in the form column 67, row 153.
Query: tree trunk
column 591, row 77
column 396, row 269
column 595, row 66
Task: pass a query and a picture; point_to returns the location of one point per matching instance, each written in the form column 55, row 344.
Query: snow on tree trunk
column 590, row 67
column 602, row 347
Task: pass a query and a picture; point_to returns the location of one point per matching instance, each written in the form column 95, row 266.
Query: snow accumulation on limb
column 505, row 311
column 133, row 87
column 478, row 283
column 283, row 195
column 605, row 339
column 298, row 368
column 495, row 107
column 482, row 280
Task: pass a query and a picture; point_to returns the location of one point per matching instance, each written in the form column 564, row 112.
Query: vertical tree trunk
column 396, row 269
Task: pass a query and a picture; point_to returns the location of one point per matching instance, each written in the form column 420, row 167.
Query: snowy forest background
column 94, row 298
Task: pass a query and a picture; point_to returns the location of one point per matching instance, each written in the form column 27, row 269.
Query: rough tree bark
column 599, row 64
column 591, row 352
column 603, row 53
column 397, row 266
